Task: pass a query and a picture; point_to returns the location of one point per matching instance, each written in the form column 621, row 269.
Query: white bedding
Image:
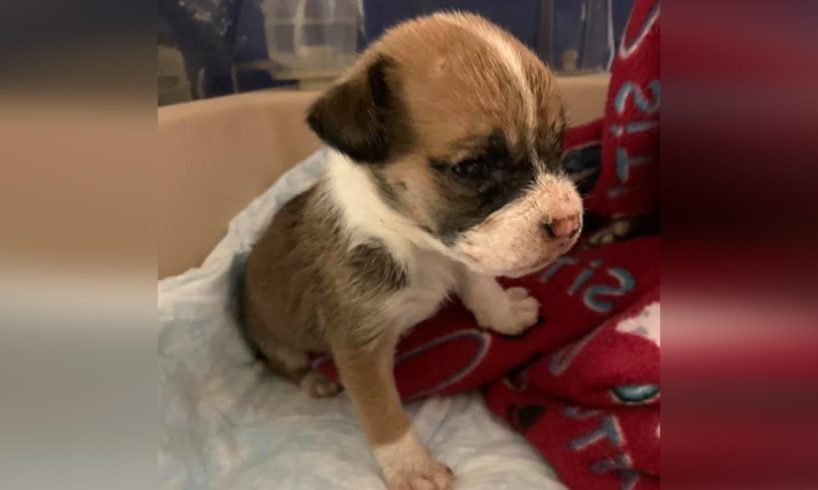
column 228, row 423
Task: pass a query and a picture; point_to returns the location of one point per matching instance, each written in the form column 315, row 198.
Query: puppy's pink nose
column 562, row 227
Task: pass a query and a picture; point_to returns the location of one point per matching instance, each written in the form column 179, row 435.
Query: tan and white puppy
column 444, row 174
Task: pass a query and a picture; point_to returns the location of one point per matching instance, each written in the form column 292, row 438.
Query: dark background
column 214, row 35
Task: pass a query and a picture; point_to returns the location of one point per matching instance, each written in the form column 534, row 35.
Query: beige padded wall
column 215, row 156
column 218, row 154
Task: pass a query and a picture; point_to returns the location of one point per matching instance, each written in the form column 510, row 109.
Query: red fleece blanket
column 583, row 384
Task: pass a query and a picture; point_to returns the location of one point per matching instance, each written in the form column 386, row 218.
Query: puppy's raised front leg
column 506, row 311
column 368, row 378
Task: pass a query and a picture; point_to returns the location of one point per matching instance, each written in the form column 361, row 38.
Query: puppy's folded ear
column 359, row 116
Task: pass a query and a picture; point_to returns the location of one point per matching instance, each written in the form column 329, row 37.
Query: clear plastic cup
column 311, row 39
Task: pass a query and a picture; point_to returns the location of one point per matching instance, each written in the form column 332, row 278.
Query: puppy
column 443, row 174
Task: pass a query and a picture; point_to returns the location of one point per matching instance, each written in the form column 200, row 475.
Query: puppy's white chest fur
column 431, row 279
column 431, row 276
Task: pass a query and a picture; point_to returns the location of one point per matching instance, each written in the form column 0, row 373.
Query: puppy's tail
column 240, row 306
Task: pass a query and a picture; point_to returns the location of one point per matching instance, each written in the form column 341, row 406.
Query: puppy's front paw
column 407, row 465
column 511, row 314
column 316, row 385
column 423, row 474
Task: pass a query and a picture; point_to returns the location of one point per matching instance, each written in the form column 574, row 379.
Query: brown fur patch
column 372, row 264
column 305, row 283
column 368, row 377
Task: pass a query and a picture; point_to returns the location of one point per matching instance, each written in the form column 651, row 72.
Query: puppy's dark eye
column 473, row 168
